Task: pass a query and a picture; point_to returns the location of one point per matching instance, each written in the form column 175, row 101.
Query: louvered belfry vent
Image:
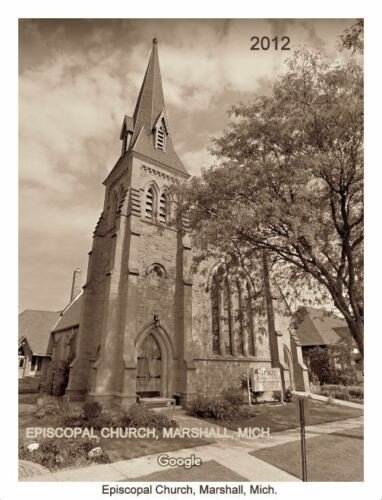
column 149, row 204
column 163, row 208
column 160, row 142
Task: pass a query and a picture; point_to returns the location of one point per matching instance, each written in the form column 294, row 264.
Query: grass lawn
column 330, row 457
column 208, row 471
column 282, row 417
column 117, row 449
column 125, row 449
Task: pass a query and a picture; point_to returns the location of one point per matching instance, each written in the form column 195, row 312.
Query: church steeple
column 150, row 103
column 150, row 135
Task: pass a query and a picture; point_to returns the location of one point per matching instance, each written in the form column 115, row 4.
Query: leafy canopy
column 289, row 180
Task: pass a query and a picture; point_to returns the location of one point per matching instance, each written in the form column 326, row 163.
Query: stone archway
column 153, row 355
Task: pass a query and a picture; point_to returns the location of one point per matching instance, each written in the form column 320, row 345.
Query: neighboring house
column 36, row 340
column 320, row 328
column 34, row 334
column 63, row 339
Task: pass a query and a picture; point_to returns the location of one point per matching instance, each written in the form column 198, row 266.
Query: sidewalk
column 324, row 399
column 232, row 453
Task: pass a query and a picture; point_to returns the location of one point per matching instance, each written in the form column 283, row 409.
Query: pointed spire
column 150, row 103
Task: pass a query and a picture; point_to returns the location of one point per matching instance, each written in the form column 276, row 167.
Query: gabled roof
column 144, row 145
column 127, row 125
column 320, row 327
column 35, row 327
column 70, row 316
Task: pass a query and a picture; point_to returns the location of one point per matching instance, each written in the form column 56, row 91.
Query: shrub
column 356, row 392
column 332, row 365
column 91, row 416
column 50, row 406
column 61, row 377
column 233, row 396
column 288, row 396
column 330, row 401
column 60, row 453
column 337, row 395
column 345, row 393
column 219, row 409
column 91, row 410
column 140, row 416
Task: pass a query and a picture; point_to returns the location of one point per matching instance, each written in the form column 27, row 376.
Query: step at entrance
column 158, row 402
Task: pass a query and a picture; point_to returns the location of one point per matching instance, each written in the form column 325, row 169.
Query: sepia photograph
column 191, row 226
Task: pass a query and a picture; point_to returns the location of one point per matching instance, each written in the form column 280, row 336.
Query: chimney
column 76, row 284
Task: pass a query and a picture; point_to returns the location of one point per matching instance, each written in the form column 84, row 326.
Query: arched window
column 249, row 319
column 156, row 271
column 149, row 206
column 215, row 316
column 226, row 330
column 232, row 314
column 163, row 208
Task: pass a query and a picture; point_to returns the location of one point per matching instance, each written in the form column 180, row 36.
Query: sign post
column 303, row 442
column 249, row 387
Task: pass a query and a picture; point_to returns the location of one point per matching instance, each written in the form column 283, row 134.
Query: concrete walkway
column 324, row 399
column 231, row 452
column 29, row 469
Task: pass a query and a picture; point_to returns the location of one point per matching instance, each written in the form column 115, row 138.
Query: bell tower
column 136, row 319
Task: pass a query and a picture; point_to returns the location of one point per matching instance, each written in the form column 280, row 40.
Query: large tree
column 288, row 180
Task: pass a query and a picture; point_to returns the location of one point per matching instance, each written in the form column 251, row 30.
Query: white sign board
column 266, row 379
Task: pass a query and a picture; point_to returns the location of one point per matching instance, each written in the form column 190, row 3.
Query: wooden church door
column 149, row 368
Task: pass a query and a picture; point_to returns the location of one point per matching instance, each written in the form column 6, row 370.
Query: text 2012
column 266, row 43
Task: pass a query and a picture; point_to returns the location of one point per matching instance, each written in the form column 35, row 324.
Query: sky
column 77, row 80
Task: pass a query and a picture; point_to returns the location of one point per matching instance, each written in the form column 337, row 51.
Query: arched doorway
column 149, row 368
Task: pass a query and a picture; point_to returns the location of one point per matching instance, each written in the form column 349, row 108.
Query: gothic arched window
column 232, row 314
column 215, row 315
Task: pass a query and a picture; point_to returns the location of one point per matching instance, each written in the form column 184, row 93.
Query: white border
column 9, row 487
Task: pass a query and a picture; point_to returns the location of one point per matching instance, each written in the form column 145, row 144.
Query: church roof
column 70, row 316
column 320, row 327
column 144, row 145
column 35, row 327
column 149, row 107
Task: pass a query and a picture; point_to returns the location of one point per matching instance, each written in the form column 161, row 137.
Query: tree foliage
column 353, row 38
column 289, row 181
column 332, row 364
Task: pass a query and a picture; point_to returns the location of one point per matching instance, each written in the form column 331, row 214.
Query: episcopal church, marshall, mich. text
column 148, row 325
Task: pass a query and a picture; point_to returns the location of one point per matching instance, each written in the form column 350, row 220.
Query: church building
column 149, row 326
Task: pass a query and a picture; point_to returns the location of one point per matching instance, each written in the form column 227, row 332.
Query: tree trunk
column 356, row 330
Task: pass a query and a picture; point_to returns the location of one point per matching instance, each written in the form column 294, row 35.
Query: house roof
column 35, row 327
column 70, row 316
column 320, row 327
